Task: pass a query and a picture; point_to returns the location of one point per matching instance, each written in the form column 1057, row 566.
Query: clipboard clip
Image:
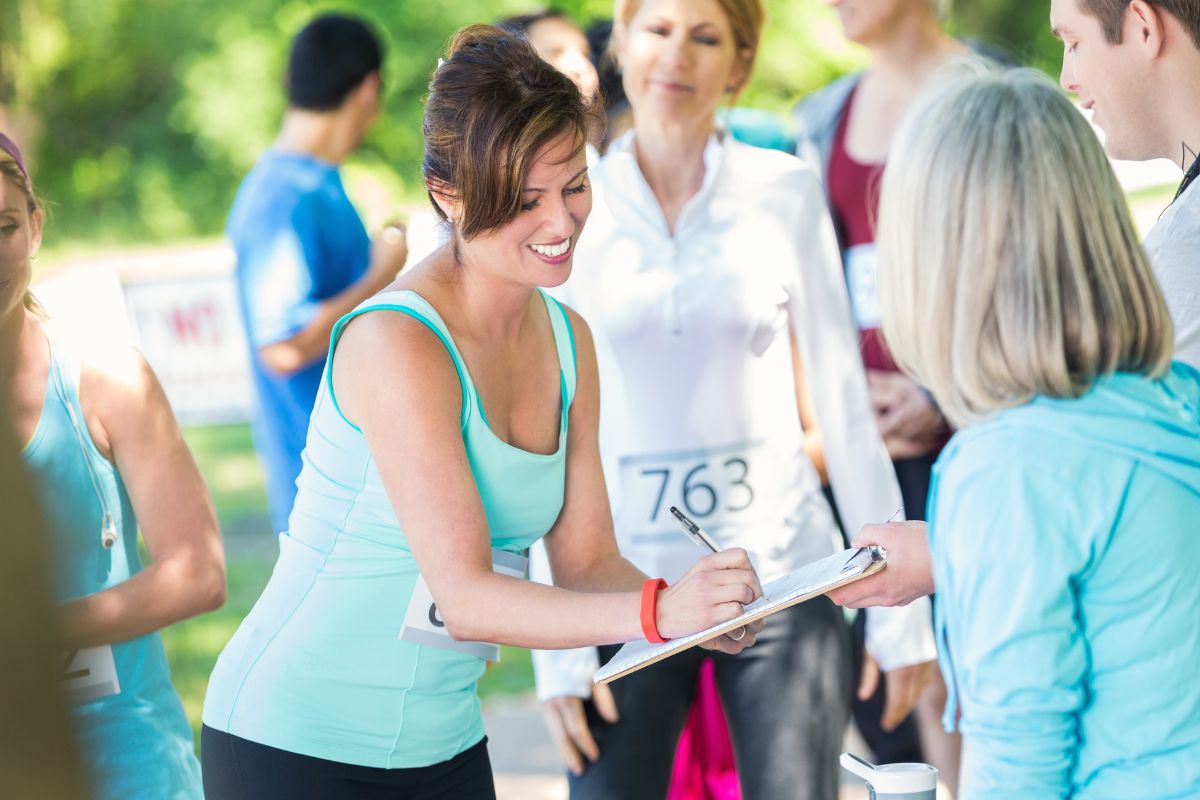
column 874, row 554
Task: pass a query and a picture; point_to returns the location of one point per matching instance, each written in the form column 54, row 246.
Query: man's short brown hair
column 1111, row 14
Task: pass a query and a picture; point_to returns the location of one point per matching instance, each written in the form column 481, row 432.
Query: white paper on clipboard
column 802, row 584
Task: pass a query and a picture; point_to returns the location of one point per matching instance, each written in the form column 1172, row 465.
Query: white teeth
column 552, row 251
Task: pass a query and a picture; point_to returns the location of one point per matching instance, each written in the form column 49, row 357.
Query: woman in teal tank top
column 456, row 424
column 104, row 454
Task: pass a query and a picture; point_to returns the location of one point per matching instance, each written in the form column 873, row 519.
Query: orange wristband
column 650, row 590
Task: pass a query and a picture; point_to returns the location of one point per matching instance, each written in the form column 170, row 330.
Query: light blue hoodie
column 1066, row 551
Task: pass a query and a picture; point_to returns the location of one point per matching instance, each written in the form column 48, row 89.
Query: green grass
column 227, row 460
column 193, row 645
column 1156, row 196
column 232, row 471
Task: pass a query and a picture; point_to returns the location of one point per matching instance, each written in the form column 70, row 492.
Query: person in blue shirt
column 1063, row 514
column 303, row 256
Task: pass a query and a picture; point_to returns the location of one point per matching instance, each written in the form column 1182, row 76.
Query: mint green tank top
column 318, row 666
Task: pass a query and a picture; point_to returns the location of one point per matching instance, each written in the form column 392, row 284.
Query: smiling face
column 538, row 246
column 20, row 237
column 564, row 47
column 679, row 58
column 1110, row 79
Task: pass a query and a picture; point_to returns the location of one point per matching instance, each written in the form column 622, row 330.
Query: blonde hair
column 746, row 18
column 1009, row 265
column 11, row 171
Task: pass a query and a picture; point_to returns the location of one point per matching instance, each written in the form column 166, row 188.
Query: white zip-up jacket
column 698, row 394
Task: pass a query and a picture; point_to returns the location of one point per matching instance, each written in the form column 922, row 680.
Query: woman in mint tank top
column 456, row 424
column 104, row 455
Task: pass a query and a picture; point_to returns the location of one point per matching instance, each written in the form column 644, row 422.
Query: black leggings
column 238, row 769
column 786, row 700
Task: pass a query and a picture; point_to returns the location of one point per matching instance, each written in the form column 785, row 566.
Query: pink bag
column 704, row 765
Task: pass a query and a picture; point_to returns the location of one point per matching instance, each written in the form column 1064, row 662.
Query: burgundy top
column 854, row 203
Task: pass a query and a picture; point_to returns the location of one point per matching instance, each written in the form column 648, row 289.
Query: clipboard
column 805, row 583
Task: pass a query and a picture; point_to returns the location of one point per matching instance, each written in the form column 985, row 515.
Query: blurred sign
column 88, row 305
column 191, row 332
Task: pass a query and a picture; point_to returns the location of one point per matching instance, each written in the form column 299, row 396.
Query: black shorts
column 238, row 769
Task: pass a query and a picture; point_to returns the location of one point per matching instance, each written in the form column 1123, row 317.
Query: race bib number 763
column 716, row 486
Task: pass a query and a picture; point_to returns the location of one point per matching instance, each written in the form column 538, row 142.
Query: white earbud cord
column 108, row 528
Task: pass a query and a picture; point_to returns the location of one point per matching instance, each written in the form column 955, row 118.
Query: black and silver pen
column 693, row 530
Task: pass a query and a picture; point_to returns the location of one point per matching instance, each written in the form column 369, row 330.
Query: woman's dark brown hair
column 493, row 106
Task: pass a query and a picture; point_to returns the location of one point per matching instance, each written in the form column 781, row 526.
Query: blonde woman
column 1064, row 512
column 709, row 274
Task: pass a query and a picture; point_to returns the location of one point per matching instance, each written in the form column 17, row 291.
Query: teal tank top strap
column 564, row 341
column 65, row 367
column 410, row 303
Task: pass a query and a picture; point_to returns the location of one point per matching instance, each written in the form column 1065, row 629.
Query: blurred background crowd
column 139, row 119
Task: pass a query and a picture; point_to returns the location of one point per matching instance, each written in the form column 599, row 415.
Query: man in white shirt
column 1136, row 65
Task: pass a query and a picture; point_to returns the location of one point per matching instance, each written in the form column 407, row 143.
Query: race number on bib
column 735, row 484
column 423, row 624
column 862, row 279
column 89, row 674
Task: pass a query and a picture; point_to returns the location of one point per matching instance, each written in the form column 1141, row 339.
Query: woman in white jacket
column 711, row 277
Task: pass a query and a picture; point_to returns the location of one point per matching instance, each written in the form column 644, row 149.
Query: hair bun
column 477, row 36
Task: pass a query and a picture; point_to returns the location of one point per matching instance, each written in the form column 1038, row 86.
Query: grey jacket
column 815, row 118
column 815, row 121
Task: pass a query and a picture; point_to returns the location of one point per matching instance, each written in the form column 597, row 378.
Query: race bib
column 862, row 280
column 423, row 625
column 89, row 674
column 717, row 487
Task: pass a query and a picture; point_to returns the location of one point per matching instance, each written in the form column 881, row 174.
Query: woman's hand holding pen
column 713, row 591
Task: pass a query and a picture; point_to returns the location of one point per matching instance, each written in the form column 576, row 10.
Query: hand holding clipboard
column 803, row 584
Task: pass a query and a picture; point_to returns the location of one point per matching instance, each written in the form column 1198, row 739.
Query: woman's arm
column 409, row 414
column 582, row 546
column 826, row 354
column 132, row 424
column 1008, row 556
column 814, row 446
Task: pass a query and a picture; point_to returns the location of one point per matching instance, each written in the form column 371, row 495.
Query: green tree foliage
column 1019, row 27
column 141, row 116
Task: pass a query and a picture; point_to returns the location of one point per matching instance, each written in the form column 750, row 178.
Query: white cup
column 913, row 781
